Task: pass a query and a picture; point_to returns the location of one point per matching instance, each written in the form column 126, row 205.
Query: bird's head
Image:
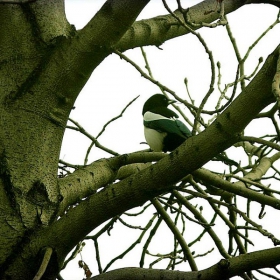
column 156, row 103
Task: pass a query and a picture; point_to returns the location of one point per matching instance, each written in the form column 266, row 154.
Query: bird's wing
column 185, row 131
column 169, row 126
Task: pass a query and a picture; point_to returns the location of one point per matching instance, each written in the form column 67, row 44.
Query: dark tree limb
column 223, row 270
column 272, row 2
column 157, row 30
column 44, row 264
column 16, row 2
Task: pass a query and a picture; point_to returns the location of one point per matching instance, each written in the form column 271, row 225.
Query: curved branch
column 44, row 264
column 72, row 57
column 157, row 30
column 238, row 188
column 87, row 180
column 169, row 222
column 260, row 141
column 272, row 2
column 224, row 269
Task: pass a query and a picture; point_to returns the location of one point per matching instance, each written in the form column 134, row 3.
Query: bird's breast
column 154, row 139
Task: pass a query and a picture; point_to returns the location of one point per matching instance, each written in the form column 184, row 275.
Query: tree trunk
column 30, row 139
column 42, row 71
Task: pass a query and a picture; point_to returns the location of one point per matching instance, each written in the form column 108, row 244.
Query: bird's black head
column 156, row 103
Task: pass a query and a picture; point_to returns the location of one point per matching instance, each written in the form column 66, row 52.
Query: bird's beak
column 171, row 101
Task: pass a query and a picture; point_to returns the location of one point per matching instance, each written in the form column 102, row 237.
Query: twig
column 238, row 56
column 225, row 90
column 76, row 251
column 185, row 215
column 136, row 242
column 147, row 65
column 207, row 50
column 163, row 87
column 255, row 226
column 94, row 142
column 204, row 231
column 261, row 36
column 97, row 255
column 148, row 241
column 93, row 139
column 267, row 274
column 44, row 264
column 256, row 184
column 229, row 223
column 238, row 188
column 177, row 234
column 160, row 85
column 67, row 164
column 197, row 214
column 221, row 21
column 260, row 141
column 117, row 117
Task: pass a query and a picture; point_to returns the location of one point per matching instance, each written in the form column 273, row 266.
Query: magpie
column 163, row 131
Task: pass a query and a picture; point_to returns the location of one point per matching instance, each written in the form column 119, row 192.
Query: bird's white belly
column 154, row 139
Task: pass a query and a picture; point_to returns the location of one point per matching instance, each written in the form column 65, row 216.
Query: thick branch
column 272, row 2
column 86, row 181
column 156, row 31
column 16, row 2
column 70, row 59
column 224, row 269
column 87, row 49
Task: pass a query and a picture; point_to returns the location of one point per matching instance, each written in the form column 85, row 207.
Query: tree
column 45, row 63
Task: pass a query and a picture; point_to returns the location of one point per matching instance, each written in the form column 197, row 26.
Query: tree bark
column 156, row 31
column 44, row 65
column 223, row 270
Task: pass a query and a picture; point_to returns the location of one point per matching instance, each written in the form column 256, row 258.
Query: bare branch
column 44, row 264
column 187, row 253
column 104, row 127
column 210, row 55
column 92, row 138
column 223, row 270
column 157, row 30
column 260, row 141
column 237, row 188
column 198, row 215
column 88, row 179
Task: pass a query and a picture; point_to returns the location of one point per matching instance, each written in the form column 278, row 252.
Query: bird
column 162, row 129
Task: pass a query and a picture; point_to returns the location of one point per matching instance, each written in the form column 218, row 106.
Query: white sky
column 114, row 83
